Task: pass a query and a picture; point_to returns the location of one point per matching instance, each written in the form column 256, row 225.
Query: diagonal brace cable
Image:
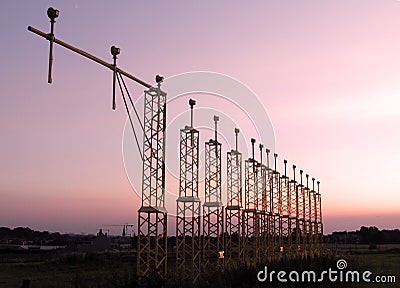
column 129, row 115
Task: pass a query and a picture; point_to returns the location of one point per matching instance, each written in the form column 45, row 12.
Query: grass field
column 117, row 270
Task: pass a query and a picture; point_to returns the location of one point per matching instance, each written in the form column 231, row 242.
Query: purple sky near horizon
column 328, row 74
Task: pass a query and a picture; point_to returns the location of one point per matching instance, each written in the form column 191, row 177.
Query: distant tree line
column 21, row 235
column 366, row 235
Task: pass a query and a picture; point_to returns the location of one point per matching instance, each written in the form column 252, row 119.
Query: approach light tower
column 294, row 244
column 152, row 220
column 152, row 215
column 262, row 174
column 301, row 220
column 320, row 226
column 188, row 204
column 307, row 219
column 285, row 234
column 250, row 249
column 313, row 219
column 213, row 211
column 274, row 216
column 233, row 224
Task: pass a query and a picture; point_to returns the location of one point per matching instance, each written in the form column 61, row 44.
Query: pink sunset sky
column 327, row 72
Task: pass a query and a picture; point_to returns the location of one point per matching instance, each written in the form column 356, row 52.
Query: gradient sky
column 328, row 73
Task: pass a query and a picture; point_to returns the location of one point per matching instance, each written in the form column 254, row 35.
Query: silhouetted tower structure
column 284, row 213
column 250, row 212
column 262, row 206
column 293, row 215
column 213, row 238
column 152, row 222
column 320, row 226
column 275, row 203
column 313, row 219
column 301, row 216
column 188, row 241
column 233, row 224
column 152, row 215
column 269, row 208
column 307, row 235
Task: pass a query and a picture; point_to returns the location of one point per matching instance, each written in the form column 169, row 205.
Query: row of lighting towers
column 279, row 217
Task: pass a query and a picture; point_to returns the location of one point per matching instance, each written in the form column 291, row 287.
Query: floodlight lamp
column 159, row 79
column 52, row 13
column 192, row 102
column 115, row 51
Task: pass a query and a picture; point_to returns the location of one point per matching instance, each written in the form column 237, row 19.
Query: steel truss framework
column 262, row 211
column 285, row 233
column 320, row 228
column 152, row 218
column 233, row 221
column 188, row 241
column 213, row 210
column 251, row 224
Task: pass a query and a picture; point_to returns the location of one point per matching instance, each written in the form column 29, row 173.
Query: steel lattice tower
column 261, row 209
column 213, row 211
column 274, row 217
column 250, row 213
column 294, row 243
column 267, row 206
column 301, row 226
column 307, row 235
column 188, row 239
column 152, row 218
column 284, row 213
column 233, row 224
column 320, row 227
column 313, row 219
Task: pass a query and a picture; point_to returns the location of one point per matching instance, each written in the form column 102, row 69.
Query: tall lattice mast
column 320, row 227
column 212, row 208
column 233, row 224
column 313, row 219
column 293, row 215
column 188, row 245
column 301, row 227
column 152, row 218
column 269, row 208
column 274, row 217
column 285, row 235
column 307, row 219
column 261, row 203
column 250, row 212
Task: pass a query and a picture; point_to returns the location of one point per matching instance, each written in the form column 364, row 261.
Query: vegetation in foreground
column 116, row 269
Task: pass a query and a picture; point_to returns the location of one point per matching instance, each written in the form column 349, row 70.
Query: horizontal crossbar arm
column 87, row 55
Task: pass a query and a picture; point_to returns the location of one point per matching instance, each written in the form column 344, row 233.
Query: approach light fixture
column 115, row 51
column 52, row 13
column 159, row 79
